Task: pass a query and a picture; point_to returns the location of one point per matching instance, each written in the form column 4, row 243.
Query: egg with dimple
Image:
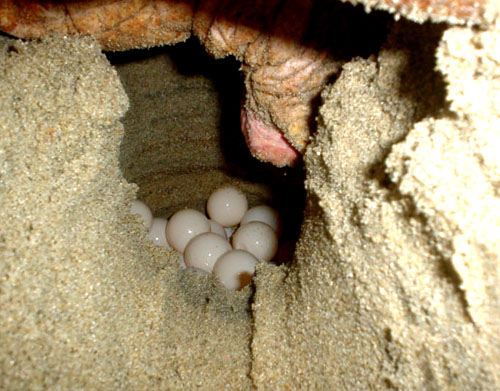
column 184, row 225
column 227, row 205
column 197, row 271
column 257, row 238
column 157, row 232
column 235, row 268
column 204, row 250
column 140, row 208
column 264, row 214
column 218, row 229
column 229, row 231
column 182, row 264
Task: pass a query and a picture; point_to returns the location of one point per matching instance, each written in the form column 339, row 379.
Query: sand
column 394, row 283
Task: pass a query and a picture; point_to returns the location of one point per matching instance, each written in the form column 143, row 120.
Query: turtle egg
column 216, row 228
column 140, row 208
column 257, row 238
column 235, row 268
column 197, row 271
column 264, row 214
column 182, row 264
column 184, row 225
column 203, row 251
column 227, row 205
column 229, row 231
column 157, row 232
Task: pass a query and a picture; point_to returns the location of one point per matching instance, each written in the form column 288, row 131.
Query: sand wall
column 396, row 275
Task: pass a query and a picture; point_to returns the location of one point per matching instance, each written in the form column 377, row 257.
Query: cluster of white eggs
column 228, row 243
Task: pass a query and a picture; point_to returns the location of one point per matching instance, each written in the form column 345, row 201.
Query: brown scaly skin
column 118, row 25
column 283, row 73
column 277, row 41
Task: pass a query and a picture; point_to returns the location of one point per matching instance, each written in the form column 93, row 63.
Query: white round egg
column 257, row 238
column 197, row 271
column 216, row 228
column 182, row 264
column 264, row 214
column 140, row 208
column 184, row 225
column 157, row 232
column 227, row 205
column 204, row 250
column 235, row 268
column 229, row 231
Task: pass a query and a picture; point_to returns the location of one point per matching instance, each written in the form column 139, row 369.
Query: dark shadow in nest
column 190, row 59
column 287, row 183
